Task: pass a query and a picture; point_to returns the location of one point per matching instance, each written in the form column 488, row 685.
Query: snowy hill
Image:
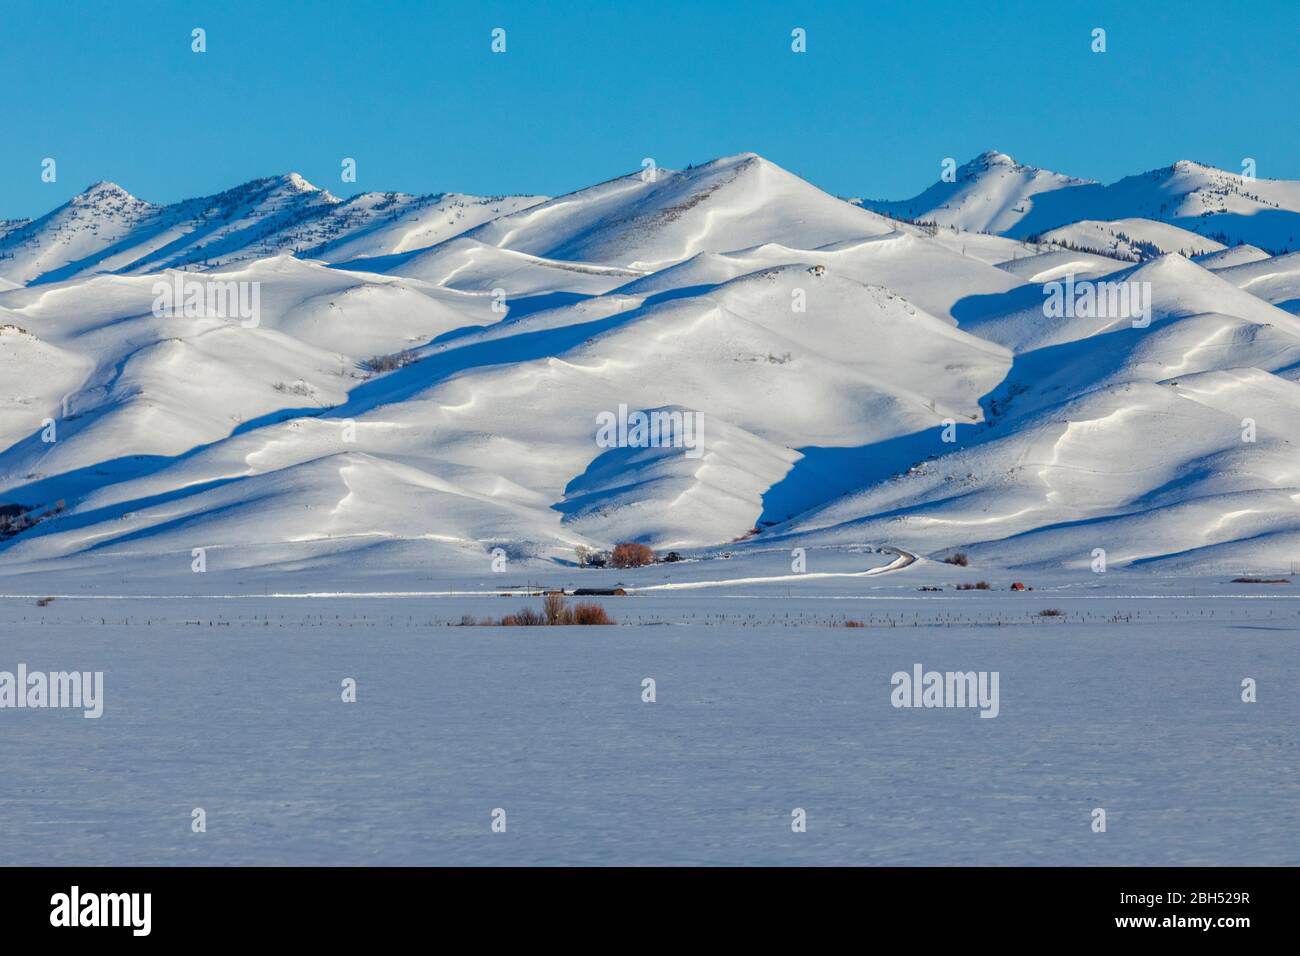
column 993, row 193
column 1106, row 435
column 1275, row 279
column 83, row 227
column 105, row 229
column 1211, row 202
column 424, row 379
column 1234, row 256
column 650, row 220
column 1131, row 239
column 380, row 224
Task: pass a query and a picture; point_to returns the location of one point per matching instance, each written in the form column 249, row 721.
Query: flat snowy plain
column 1129, row 701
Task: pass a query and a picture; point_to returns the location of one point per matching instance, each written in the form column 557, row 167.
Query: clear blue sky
column 411, row 90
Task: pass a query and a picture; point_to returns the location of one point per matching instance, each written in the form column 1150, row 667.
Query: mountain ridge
column 428, row 372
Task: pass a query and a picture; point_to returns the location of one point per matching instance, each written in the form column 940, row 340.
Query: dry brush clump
column 589, row 612
column 977, row 586
column 958, row 559
column 524, row 617
column 387, row 363
column 555, row 611
column 630, row 554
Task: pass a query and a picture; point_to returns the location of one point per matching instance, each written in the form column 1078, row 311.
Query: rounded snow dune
column 468, row 265
column 927, row 273
column 1275, row 280
column 393, row 223
column 763, row 377
column 1234, row 256
column 1167, row 350
column 37, row 377
column 648, row 221
column 350, row 496
column 1065, row 310
column 1239, row 532
column 133, row 387
column 1059, row 263
column 676, row 493
column 378, row 318
column 1142, row 452
column 1131, row 239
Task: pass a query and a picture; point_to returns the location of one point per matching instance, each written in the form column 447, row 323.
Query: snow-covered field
column 1129, row 703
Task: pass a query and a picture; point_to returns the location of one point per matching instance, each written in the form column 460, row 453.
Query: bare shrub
column 589, row 612
column 556, row 609
column 630, row 554
column 854, row 624
column 1049, row 612
column 524, row 617
column 387, row 363
column 977, row 586
column 958, row 559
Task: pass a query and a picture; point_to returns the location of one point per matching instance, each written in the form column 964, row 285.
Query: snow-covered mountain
column 993, row 193
column 423, row 379
column 107, row 230
column 1131, row 239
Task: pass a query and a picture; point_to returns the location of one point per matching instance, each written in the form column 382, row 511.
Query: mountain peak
column 991, row 157
column 297, row 183
column 736, row 161
column 1192, row 166
column 104, row 190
